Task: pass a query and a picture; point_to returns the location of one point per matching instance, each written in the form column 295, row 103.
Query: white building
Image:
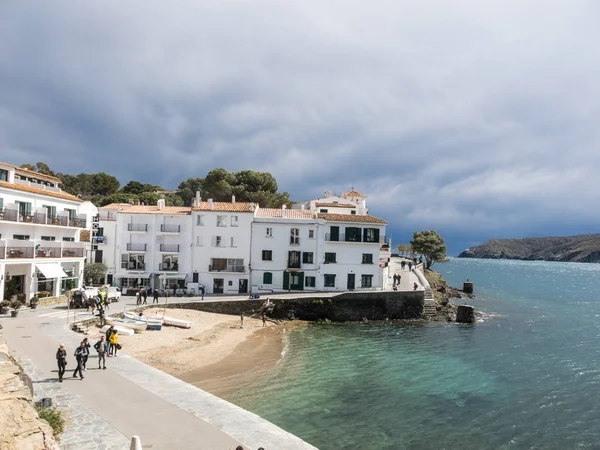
column 40, row 225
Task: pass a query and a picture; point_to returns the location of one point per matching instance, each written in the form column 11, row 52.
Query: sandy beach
column 215, row 354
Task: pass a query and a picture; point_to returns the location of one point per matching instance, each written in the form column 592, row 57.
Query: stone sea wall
column 346, row 307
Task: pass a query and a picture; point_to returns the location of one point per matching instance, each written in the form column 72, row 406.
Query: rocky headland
column 583, row 248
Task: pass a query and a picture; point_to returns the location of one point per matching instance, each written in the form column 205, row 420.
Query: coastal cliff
column 584, row 248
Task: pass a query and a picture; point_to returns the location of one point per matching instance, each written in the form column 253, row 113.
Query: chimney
column 210, row 203
column 251, row 206
column 161, row 203
column 283, row 211
column 198, row 198
column 194, row 204
column 302, row 206
column 233, row 199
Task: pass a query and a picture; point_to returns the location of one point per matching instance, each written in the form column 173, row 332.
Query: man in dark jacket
column 155, row 296
column 80, row 353
column 107, row 334
column 101, row 347
column 61, row 359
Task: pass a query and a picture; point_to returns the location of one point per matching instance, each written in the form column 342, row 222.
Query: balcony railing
column 169, row 248
column 15, row 250
column 168, row 267
column 134, row 266
column 137, row 227
column 342, row 237
column 227, row 268
column 72, row 252
column 19, row 252
column 13, row 215
column 136, row 247
column 170, row 228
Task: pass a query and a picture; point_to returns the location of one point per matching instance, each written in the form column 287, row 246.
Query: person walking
column 242, row 320
column 80, row 352
column 415, row 286
column 202, row 291
column 85, row 357
column 101, row 347
column 410, row 265
column 403, row 264
column 101, row 315
column 155, row 296
column 114, row 342
column 61, row 360
column 108, row 344
column 145, row 295
column 264, row 319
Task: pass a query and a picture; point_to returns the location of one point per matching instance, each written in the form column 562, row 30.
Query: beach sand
column 215, row 354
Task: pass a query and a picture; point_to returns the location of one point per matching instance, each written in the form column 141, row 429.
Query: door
column 297, row 281
column 98, row 256
column 243, row 289
column 334, row 233
column 218, row 284
column 109, row 279
column 351, row 278
column 286, row 280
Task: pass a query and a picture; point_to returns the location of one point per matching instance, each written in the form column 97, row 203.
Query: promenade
column 109, row 406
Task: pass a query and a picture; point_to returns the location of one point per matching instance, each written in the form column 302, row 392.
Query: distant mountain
column 584, row 248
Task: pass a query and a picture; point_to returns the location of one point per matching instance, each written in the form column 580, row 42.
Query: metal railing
column 133, row 266
column 169, row 248
column 170, row 228
column 168, row 267
column 342, row 237
column 136, row 247
column 226, row 268
column 13, row 215
column 72, row 252
column 19, row 252
column 137, row 227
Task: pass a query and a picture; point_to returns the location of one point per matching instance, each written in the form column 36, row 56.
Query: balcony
column 72, row 252
column 137, row 266
column 170, row 228
column 168, row 267
column 353, row 238
column 13, row 252
column 169, row 248
column 13, row 215
column 136, row 247
column 15, row 249
column 137, row 227
column 227, row 268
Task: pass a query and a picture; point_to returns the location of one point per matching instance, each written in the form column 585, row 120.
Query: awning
column 51, row 270
column 291, row 270
column 174, row 276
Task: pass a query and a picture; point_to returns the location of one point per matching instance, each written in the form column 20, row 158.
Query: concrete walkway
column 109, row 406
column 407, row 278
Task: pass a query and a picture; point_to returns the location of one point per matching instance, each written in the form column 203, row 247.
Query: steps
column 429, row 307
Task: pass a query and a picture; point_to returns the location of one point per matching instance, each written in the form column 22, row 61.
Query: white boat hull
column 149, row 320
column 121, row 330
column 172, row 322
column 136, row 326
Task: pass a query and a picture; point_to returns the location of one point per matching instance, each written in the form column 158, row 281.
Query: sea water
column 527, row 376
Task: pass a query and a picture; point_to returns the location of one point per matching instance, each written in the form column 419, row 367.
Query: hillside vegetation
column 584, row 248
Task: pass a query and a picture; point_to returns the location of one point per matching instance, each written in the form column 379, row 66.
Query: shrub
column 21, row 297
column 5, row 304
column 54, row 417
column 43, row 294
column 34, row 300
column 16, row 304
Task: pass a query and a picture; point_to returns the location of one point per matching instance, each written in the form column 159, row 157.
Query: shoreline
column 215, row 354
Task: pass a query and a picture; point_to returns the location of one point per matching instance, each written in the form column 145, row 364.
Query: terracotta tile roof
column 353, row 193
column 32, row 173
column 337, row 205
column 226, row 206
column 147, row 209
column 275, row 213
column 351, row 218
column 39, row 191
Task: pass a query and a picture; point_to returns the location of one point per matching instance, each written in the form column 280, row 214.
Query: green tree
column 431, row 245
column 172, row 199
column 118, row 197
column 187, row 190
column 405, row 249
column 94, row 272
column 218, row 185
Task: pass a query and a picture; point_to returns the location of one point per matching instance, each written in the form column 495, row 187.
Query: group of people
column 107, row 346
column 397, row 278
column 403, row 265
column 141, row 296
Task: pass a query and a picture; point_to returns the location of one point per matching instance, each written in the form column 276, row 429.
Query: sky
column 477, row 119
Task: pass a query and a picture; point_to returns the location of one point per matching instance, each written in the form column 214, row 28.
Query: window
column 367, row 258
column 50, row 211
column 353, row 211
column 218, row 264
column 309, row 282
column 221, row 221
column 371, row 235
column 267, row 278
column 334, row 233
column 232, row 242
column 267, row 255
column 294, row 236
column 170, row 262
column 68, row 239
column 132, row 261
column 293, row 260
column 234, row 221
column 269, row 232
column 307, row 257
column 329, row 280
column 72, row 213
column 352, row 234
column 366, row 281
column 199, row 221
column 3, row 175
column 324, row 211
column 230, row 283
column 199, row 241
column 311, row 234
column 24, row 208
column 217, row 241
column 329, row 257
column 21, row 237
column 48, row 238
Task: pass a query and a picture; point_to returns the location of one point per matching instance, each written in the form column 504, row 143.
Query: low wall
column 346, row 307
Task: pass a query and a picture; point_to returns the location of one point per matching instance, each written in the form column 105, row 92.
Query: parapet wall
column 346, row 307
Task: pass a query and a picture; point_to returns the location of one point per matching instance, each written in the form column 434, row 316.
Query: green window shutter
column 286, row 280
column 28, row 209
column 267, row 278
column 1, row 204
column 312, row 281
column 300, row 281
column 376, row 235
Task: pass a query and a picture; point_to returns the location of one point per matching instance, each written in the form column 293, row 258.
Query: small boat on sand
column 153, row 324
column 172, row 322
column 121, row 330
column 135, row 325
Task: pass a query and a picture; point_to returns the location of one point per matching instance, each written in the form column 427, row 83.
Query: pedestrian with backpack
column 80, row 353
column 102, row 348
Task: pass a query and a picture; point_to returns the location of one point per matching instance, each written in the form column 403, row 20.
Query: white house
column 221, row 251
column 351, row 202
column 40, row 225
column 146, row 246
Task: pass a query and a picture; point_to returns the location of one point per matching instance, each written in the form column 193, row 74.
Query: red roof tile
column 351, row 218
column 40, row 191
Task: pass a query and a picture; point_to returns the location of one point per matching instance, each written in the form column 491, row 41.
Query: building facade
column 40, row 231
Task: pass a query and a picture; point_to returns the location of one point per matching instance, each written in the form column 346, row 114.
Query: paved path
column 407, row 278
column 109, row 406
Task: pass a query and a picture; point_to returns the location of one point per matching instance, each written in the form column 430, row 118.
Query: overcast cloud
column 475, row 118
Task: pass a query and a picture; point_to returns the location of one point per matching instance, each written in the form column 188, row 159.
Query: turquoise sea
column 527, row 376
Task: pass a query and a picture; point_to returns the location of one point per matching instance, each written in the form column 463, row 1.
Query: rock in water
column 465, row 314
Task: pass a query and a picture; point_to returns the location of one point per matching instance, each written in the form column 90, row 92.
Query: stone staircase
column 429, row 309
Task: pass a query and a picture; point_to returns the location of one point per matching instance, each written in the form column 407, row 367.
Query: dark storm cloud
column 470, row 117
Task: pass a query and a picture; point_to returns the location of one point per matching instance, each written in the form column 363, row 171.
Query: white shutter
column 199, row 241
column 214, row 241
